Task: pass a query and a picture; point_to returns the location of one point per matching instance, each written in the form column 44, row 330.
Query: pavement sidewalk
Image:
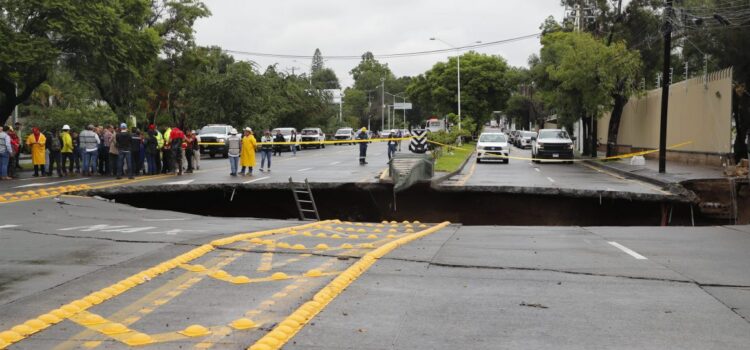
column 676, row 172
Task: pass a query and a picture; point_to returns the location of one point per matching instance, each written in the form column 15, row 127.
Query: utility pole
column 665, row 88
column 382, row 104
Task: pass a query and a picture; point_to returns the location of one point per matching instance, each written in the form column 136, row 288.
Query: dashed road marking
column 256, row 180
column 550, row 179
column 183, row 182
column 51, row 183
column 537, row 170
column 628, row 251
column 305, row 169
column 7, row 226
column 334, row 163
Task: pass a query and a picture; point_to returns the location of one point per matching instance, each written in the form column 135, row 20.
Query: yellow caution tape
column 330, row 142
column 622, row 156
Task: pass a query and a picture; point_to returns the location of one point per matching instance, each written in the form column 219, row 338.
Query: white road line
column 550, row 179
column 8, row 226
column 172, row 219
column 50, row 183
column 254, row 180
column 305, row 169
column 334, row 163
column 184, row 182
column 537, row 170
column 628, row 251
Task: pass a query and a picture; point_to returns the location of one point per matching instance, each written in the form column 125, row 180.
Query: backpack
column 55, row 144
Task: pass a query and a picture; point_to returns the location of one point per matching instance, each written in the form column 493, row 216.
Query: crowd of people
column 128, row 151
column 102, row 150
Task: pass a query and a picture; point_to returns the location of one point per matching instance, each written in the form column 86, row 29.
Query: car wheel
column 226, row 155
column 479, row 160
column 212, row 155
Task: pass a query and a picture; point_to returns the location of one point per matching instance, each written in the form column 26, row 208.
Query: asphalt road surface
column 339, row 163
column 94, row 274
column 525, row 173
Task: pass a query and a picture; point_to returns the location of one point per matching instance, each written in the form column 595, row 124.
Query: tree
column 577, row 74
column 724, row 44
column 367, row 79
column 325, row 79
column 485, row 87
column 317, row 62
column 80, row 34
column 109, row 44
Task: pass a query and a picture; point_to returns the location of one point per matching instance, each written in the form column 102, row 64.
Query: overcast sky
column 386, row 26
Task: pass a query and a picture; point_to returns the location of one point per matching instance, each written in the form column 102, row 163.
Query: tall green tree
column 577, row 74
column 724, row 44
column 485, row 87
column 317, row 62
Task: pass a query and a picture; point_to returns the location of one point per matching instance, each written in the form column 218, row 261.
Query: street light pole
column 458, row 73
column 382, row 104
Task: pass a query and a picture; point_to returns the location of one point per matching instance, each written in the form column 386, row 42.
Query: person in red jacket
column 176, row 137
column 15, row 143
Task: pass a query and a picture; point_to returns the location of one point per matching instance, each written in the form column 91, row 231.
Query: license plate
column 556, row 155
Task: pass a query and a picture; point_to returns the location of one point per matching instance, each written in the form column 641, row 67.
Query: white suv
column 493, row 146
column 344, row 134
column 551, row 144
column 313, row 135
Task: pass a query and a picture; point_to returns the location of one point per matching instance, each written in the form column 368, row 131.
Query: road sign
column 402, row 105
column 418, row 142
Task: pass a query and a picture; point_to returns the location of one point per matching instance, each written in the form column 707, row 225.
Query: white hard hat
column 66, row 127
column 233, row 132
column 248, row 129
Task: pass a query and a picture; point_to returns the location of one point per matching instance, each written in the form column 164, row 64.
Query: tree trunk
column 614, row 124
column 10, row 101
column 594, row 137
column 586, row 124
column 741, row 113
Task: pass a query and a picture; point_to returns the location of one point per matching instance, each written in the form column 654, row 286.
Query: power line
column 390, row 55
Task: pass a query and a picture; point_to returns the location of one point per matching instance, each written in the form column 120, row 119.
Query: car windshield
column 309, row 132
column 553, row 134
column 213, row 130
column 529, row 134
column 492, row 138
column 344, row 131
column 283, row 131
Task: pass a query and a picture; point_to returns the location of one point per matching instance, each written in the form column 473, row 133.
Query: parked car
column 344, row 134
column 512, row 136
column 524, row 139
column 493, row 146
column 213, row 139
column 287, row 132
column 552, row 144
column 313, row 135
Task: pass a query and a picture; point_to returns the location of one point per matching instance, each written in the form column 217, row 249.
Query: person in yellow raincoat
column 36, row 142
column 247, row 157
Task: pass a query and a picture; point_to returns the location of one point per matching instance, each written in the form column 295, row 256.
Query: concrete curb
column 671, row 186
column 437, row 181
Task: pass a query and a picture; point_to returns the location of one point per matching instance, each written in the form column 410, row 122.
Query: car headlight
column 571, row 146
column 480, row 148
column 220, row 140
column 540, row 144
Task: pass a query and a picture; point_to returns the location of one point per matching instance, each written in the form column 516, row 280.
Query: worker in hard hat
column 362, row 136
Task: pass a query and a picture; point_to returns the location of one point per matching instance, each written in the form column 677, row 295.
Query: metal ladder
column 305, row 205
